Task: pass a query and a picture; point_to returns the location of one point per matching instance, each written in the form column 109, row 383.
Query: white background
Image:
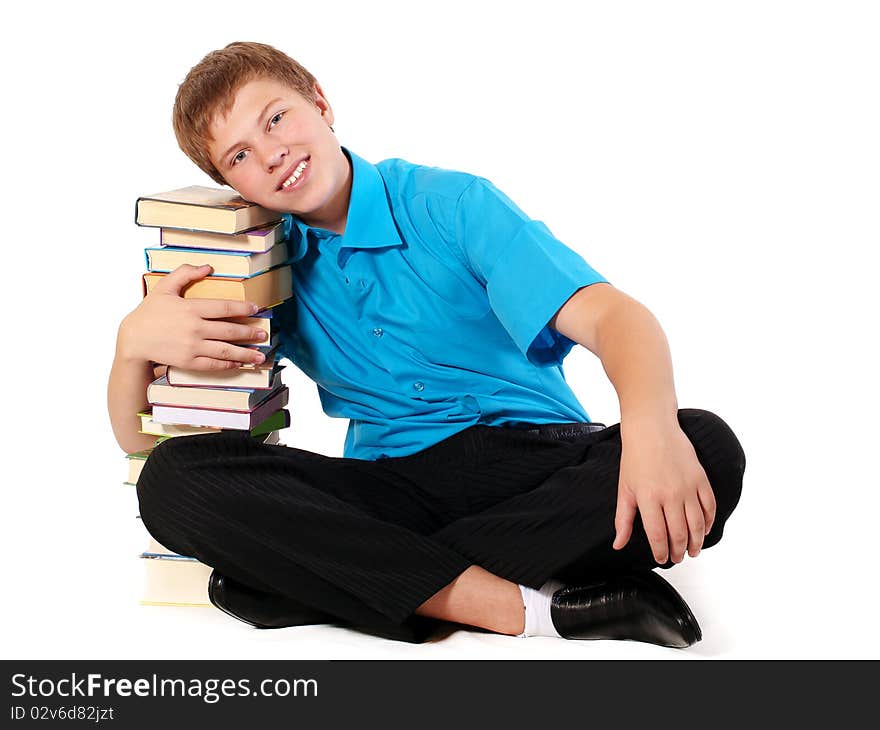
column 717, row 161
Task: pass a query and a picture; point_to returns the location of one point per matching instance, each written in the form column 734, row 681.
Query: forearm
column 661, row 478
column 126, row 395
column 635, row 354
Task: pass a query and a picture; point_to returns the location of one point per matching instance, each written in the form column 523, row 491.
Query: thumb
column 183, row 276
column 623, row 520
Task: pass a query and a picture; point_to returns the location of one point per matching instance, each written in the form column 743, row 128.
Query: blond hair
column 211, row 85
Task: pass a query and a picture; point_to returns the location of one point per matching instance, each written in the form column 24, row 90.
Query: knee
column 172, row 483
column 167, row 493
column 161, row 478
column 721, row 456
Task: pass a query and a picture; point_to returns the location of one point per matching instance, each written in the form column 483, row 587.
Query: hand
column 661, row 476
column 166, row 328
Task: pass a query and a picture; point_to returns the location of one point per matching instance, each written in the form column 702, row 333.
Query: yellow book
column 175, row 581
column 214, row 210
column 136, row 463
column 257, row 240
column 151, row 428
column 241, row 377
column 265, row 290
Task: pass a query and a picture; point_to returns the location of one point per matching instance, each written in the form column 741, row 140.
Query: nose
column 273, row 156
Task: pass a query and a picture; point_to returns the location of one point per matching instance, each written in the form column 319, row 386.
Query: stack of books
column 172, row 579
column 243, row 244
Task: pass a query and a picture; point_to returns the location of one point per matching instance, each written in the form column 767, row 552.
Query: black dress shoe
column 258, row 608
column 273, row 611
column 636, row 606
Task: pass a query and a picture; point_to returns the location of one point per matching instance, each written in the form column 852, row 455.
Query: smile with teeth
column 296, row 174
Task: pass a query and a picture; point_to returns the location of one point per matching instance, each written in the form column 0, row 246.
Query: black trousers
column 369, row 541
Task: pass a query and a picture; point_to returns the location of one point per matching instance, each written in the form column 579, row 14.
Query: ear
column 323, row 105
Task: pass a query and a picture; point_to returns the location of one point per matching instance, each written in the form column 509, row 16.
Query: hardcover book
column 223, row 263
column 216, row 418
column 265, row 290
column 274, row 422
column 136, row 463
column 174, row 580
column 215, row 210
column 152, row 428
column 257, row 240
column 242, row 377
column 154, row 547
column 159, row 392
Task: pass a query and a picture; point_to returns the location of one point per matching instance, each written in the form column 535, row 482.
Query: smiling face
column 271, row 136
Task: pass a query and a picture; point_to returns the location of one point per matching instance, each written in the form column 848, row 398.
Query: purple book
column 243, row 420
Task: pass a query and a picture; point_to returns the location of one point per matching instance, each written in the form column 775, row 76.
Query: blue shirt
column 429, row 315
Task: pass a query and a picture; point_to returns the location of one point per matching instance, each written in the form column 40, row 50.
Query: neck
column 334, row 215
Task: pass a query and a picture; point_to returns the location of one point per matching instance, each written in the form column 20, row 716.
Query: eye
column 238, row 157
column 275, row 120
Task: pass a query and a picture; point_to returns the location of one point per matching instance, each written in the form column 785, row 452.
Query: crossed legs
column 447, row 534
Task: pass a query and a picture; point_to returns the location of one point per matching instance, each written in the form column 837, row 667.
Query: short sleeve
column 528, row 273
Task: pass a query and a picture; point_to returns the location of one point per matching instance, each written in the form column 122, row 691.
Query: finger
column 226, row 351
column 696, row 525
column 230, row 332
column 209, row 363
column 655, row 528
column 181, row 277
column 222, row 308
column 707, row 500
column 677, row 530
column 623, row 520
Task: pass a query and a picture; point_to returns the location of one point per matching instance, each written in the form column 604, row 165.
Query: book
column 154, row 547
column 174, row 580
column 136, row 463
column 273, row 438
column 223, row 263
column 265, row 290
column 243, row 377
column 257, row 240
column 274, row 422
column 152, row 428
column 215, row 210
column 159, row 392
column 214, row 417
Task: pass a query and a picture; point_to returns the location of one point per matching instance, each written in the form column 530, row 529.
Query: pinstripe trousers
column 370, row 541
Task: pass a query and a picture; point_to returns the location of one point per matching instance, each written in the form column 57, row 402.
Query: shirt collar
column 369, row 223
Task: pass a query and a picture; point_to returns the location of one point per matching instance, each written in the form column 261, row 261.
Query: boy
column 435, row 315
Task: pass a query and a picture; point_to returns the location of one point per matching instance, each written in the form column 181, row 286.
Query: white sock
column 537, row 604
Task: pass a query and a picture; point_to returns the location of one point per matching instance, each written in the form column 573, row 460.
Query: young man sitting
column 435, row 315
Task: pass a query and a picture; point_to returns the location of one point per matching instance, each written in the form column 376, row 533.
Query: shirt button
column 346, row 281
column 419, row 386
column 378, row 331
